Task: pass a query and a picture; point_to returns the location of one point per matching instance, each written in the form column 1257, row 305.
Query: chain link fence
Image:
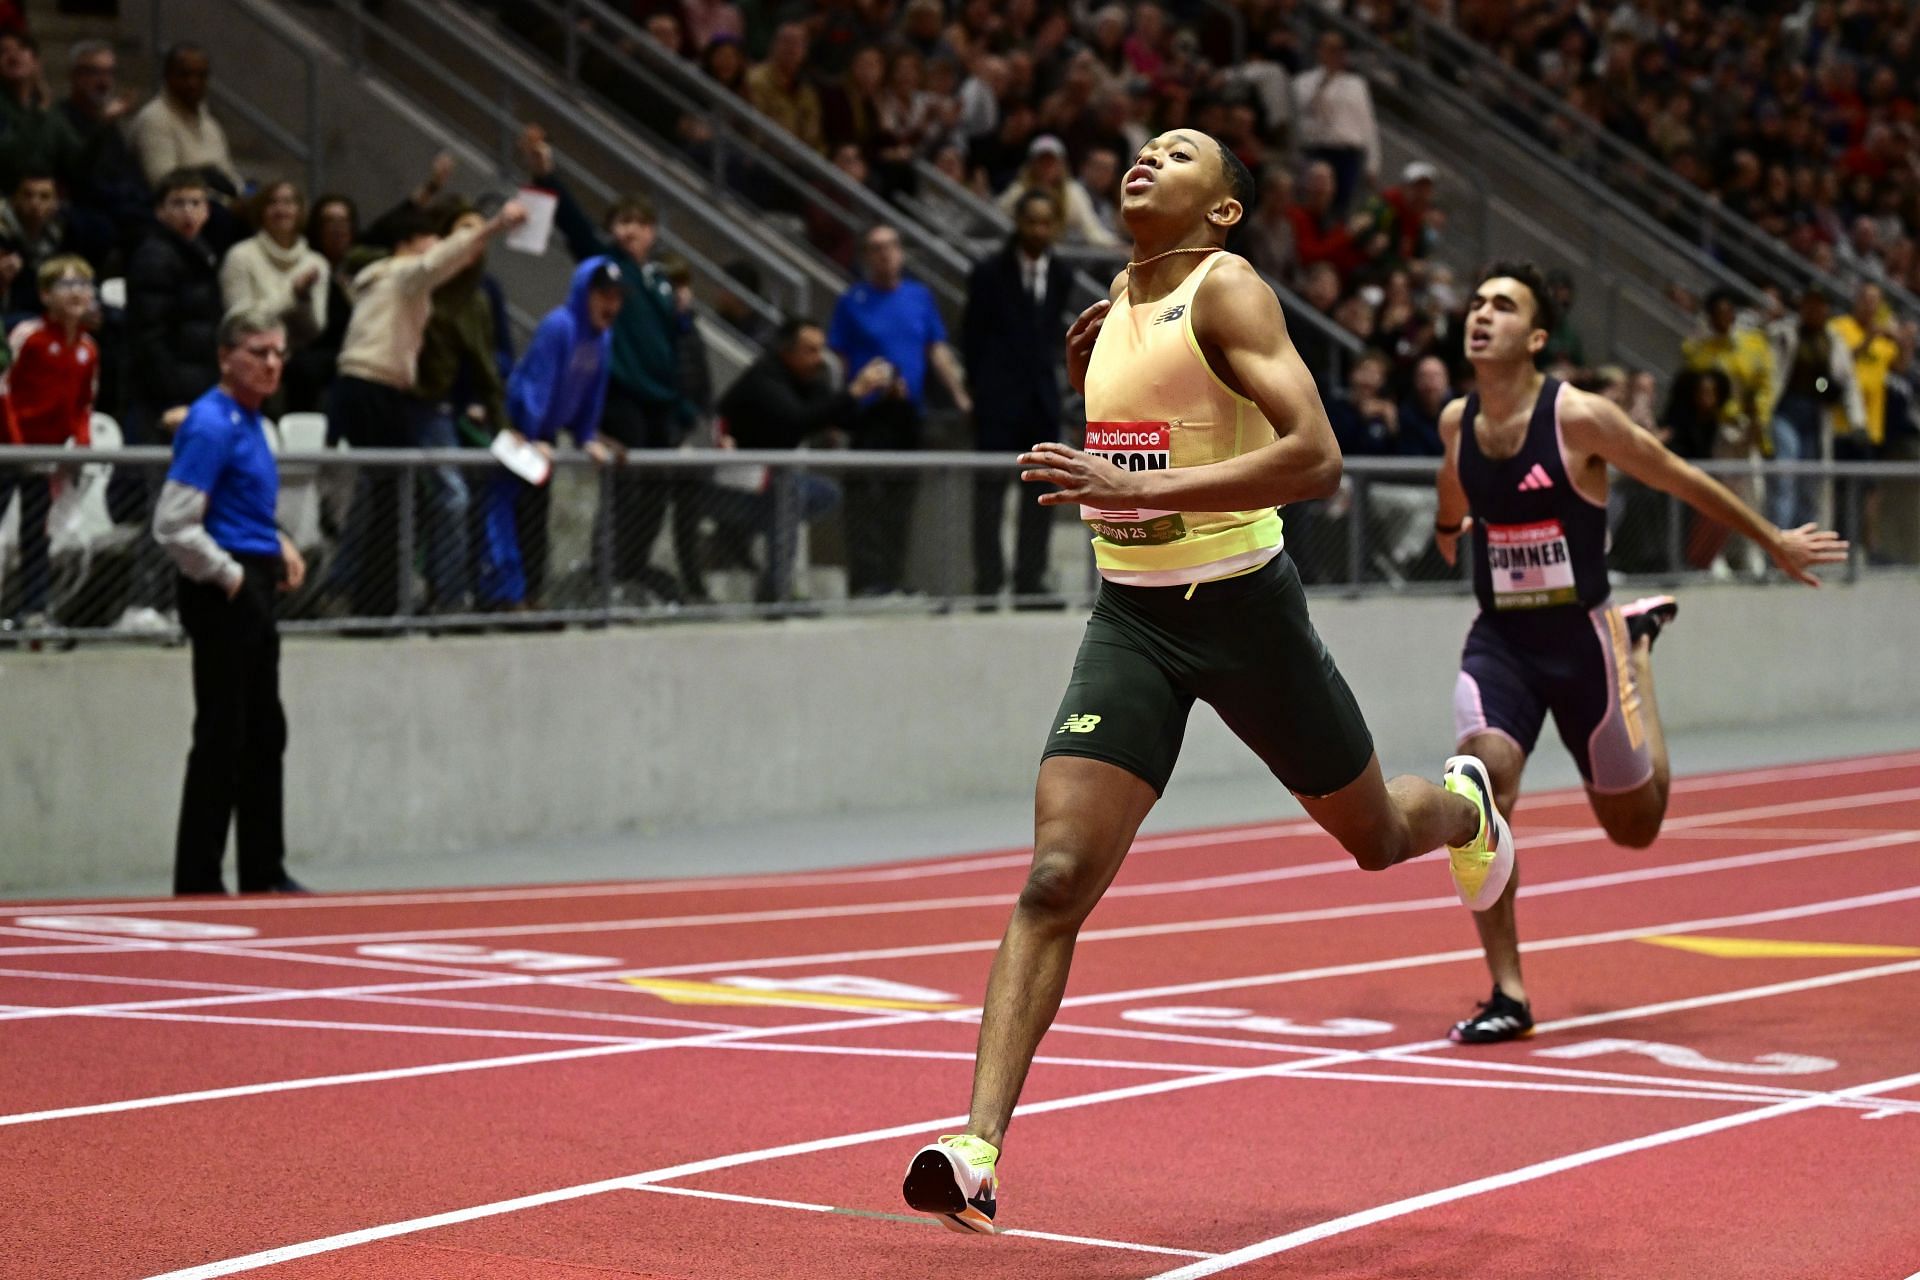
column 451, row 541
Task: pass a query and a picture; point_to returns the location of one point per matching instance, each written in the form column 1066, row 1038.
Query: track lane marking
column 1512, row 1178
column 344, row 1240
column 409, row 1073
column 1753, row 1091
column 608, row 980
column 916, row 1220
column 1310, row 915
column 979, row 901
column 1197, row 884
column 561, row 1055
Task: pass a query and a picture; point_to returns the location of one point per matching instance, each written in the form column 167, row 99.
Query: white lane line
column 497, row 1033
column 410, row 1073
column 247, row 995
column 350, row 1239
column 86, row 943
column 979, row 901
column 914, row 871
column 1464, row 1062
column 350, row 995
column 670, row 1173
column 1528, row 1086
column 1515, row 1177
column 69, row 949
column 1446, row 902
column 378, row 993
column 385, row 1028
column 955, row 1055
column 1778, row 988
column 918, row 1220
column 1798, row 772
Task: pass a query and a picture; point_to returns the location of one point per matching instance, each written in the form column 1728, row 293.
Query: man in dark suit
column 1019, row 304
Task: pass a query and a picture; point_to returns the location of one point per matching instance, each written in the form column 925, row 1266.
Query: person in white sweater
column 276, row 269
column 175, row 130
column 370, row 404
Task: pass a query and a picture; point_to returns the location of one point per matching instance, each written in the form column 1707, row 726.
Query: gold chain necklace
column 1198, row 248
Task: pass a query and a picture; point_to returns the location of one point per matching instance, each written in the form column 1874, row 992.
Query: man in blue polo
column 888, row 317
column 215, row 519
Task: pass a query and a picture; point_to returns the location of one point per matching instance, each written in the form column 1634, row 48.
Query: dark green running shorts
column 1243, row 645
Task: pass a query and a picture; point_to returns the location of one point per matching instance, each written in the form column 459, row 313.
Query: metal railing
column 504, row 110
column 746, row 145
column 440, row 541
column 1641, row 176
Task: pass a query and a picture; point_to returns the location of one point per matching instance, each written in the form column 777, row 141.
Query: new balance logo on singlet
column 1536, row 479
column 1078, row 724
column 1170, row 314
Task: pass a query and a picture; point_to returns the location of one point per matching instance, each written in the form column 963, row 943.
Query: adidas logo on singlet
column 1536, row 479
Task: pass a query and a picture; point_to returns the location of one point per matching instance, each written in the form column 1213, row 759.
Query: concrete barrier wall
column 419, row 745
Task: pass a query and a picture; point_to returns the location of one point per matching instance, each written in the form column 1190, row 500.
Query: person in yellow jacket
column 1868, row 332
column 1743, row 354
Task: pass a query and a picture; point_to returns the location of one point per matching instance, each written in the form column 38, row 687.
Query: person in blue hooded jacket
column 560, row 385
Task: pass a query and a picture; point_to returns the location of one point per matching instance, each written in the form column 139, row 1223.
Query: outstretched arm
column 1597, row 426
column 1243, row 337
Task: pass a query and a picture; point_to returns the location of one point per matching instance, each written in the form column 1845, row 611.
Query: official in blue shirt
column 215, row 519
column 888, row 317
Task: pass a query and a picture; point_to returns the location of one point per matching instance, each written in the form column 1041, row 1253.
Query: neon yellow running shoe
column 1481, row 869
column 953, row 1180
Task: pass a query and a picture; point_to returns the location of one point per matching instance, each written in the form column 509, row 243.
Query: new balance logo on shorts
column 1536, row 479
column 1170, row 314
column 1078, row 724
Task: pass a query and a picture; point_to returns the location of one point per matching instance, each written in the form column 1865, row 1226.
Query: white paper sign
column 519, row 456
column 532, row 235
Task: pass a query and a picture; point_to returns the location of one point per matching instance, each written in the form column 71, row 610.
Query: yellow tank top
column 1153, row 402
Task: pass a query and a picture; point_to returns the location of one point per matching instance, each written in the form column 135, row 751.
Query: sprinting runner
column 1202, row 419
column 1526, row 475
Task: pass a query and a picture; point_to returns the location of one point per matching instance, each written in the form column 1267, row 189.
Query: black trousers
column 641, row 500
column 372, row 415
column 879, row 504
column 1033, row 530
column 239, row 735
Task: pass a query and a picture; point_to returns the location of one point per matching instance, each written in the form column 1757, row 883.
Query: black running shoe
column 1498, row 1018
column 1647, row 615
column 953, row 1180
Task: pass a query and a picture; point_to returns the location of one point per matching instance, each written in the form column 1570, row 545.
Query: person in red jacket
column 48, row 391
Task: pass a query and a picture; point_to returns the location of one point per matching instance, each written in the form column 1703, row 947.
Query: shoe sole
column 1500, row 870
column 1455, row 1037
column 931, row 1187
column 1656, row 605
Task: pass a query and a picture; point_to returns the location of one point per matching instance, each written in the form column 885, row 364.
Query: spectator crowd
column 1017, row 117
column 1799, row 116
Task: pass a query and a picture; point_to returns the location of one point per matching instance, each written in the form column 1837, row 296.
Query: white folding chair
column 298, row 511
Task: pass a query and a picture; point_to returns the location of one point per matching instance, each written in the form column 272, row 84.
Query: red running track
column 724, row 1078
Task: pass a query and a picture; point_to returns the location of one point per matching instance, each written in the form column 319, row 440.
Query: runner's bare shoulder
column 1233, row 297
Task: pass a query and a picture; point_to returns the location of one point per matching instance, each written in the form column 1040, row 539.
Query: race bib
column 1529, row 565
column 1133, row 446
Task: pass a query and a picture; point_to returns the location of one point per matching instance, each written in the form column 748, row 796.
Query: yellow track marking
column 1767, row 949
